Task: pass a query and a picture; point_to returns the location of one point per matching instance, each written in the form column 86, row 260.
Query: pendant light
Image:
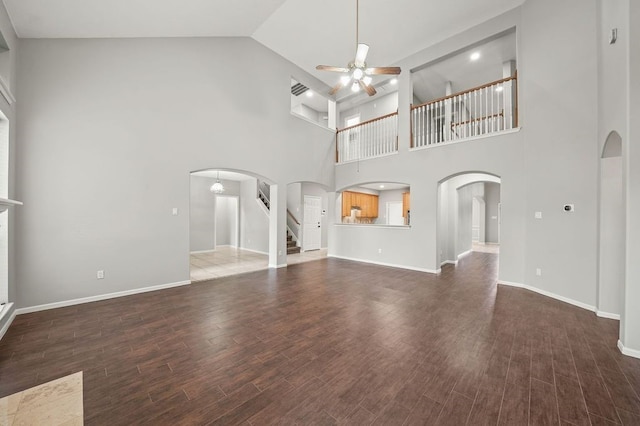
column 217, row 188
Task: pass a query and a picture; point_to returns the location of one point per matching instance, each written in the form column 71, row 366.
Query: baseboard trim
column 254, row 251
column 392, row 265
column 551, row 295
column 628, row 352
column 282, row 265
column 202, row 251
column 89, row 299
column 608, row 315
column 461, row 255
column 11, row 313
column 449, row 262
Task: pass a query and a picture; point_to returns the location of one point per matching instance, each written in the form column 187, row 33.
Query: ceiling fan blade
column 336, row 88
column 383, row 70
column 361, row 54
column 367, row 88
column 332, row 69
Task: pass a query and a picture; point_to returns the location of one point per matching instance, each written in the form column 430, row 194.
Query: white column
column 278, row 227
column 630, row 319
column 509, row 94
column 447, row 112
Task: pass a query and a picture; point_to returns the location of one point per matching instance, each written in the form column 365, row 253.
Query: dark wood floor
column 331, row 342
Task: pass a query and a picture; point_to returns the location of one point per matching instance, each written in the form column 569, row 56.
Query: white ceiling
column 429, row 83
column 306, row 32
column 138, row 18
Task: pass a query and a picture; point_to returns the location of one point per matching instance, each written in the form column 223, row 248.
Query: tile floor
column 227, row 261
column 56, row 403
column 486, row 248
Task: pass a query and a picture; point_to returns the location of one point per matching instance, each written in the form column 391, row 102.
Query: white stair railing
column 490, row 108
column 373, row 138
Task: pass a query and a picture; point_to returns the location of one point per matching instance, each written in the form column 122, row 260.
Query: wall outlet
column 379, row 251
column 279, row 252
column 538, row 215
column 539, row 272
column 100, row 274
column 174, row 211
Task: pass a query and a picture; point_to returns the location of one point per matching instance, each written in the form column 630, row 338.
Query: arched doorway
column 229, row 227
column 468, row 216
column 612, row 229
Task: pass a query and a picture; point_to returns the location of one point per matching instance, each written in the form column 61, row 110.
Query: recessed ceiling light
column 475, row 56
column 309, row 94
column 394, row 81
column 381, row 186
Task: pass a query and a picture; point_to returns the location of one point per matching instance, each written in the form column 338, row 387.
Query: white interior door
column 312, row 230
column 394, row 213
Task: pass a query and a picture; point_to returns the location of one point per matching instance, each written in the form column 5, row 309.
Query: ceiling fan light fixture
column 357, row 69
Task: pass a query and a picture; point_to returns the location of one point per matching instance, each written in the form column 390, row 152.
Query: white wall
column 492, row 201
column 377, row 107
column 294, row 200
column 557, row 60
column 630, row 324
column 115, row 126
column 227, row 218
column 612, row 237
column 7, row 232
column 202, row 219
column 254, row 220
column 464, row 235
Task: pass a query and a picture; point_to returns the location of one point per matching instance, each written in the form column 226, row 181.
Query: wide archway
column 229, row 223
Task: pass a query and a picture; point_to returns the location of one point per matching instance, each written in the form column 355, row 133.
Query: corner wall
column 115, row 126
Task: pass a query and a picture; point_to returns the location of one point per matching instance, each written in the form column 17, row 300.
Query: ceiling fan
column 357, row 71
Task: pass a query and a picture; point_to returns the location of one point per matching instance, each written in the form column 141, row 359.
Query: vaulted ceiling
column 306, row 32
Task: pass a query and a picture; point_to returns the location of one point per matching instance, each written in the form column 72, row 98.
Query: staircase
column 263, row 196
column 292, row 248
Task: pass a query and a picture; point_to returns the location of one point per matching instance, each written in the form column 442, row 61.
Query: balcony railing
column 369, row 139
column 490, row 108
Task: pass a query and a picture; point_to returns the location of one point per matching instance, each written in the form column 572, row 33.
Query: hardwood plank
column 455, row 411
column 543, row 405
column 344, row 343
column 571, row 404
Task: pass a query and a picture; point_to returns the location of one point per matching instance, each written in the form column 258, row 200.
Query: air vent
column 298, row 89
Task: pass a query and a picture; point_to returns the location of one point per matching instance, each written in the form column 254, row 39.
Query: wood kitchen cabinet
column 406, row 203
column 368, row 204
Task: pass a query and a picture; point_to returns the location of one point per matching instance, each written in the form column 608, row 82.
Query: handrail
column 464, row 92
column 367, row 122
column 486, row 117
column 293, row 217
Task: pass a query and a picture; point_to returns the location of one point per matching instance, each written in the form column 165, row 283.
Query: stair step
column 293, row 250
column 291, row 243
